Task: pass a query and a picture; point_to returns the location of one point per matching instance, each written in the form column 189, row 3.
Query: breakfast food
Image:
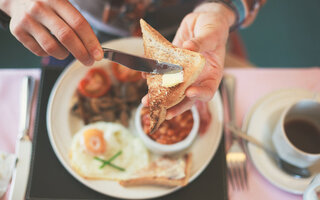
column 96, row 143
column 172, row 79
column 170, row 131
column 105, row 148
column 96, row 83
column 100, row 98
column 108, row 151
column 161, row 97
column 163, row 171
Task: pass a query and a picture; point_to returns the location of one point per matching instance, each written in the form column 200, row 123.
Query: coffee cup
column 296, row 137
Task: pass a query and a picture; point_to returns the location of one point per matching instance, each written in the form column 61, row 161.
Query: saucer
column 260, row 123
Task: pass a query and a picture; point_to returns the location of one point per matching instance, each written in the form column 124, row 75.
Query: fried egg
column 101, row 141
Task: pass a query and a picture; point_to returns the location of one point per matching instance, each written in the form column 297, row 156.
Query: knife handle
column 27, row 91
column 229, row 84
column 23, row 146
column 20, row 175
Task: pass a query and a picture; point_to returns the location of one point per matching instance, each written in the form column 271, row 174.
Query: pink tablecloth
column 252, row 84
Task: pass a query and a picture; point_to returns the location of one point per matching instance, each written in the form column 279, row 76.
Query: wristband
column 239, row 8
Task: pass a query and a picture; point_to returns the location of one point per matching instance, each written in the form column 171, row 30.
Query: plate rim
column 57, row 85
column 245, row 125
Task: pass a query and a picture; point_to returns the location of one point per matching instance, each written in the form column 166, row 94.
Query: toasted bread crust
column 163, row 98
column 163, row 181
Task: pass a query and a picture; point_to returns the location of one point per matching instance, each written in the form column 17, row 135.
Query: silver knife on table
column 139, row 63
column 23, row 146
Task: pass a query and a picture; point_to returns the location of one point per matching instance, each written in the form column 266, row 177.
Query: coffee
column 303, row 134
column 296, row 137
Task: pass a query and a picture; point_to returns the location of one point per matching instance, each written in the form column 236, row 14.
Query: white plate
column 62, row 125
column 260, row 123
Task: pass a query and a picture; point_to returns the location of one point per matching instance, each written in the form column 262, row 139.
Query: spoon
column 287, row 167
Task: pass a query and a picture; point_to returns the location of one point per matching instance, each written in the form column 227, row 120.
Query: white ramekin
column 162, row 149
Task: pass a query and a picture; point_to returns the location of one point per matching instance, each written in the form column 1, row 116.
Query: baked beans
column 170, row 131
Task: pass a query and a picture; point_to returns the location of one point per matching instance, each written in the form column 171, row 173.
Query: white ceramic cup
column 308, row 110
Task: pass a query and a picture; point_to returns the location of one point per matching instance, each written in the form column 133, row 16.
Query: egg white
column 134, row 155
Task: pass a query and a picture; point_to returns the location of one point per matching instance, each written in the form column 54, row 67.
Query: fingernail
column 89, row 62
column 168, row 117
column 191, row 95
column 97, row 54
column 144, row 101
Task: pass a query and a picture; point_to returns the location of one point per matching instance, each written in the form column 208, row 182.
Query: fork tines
column 237, row 171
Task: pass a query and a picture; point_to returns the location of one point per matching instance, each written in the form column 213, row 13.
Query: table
column 252, row 84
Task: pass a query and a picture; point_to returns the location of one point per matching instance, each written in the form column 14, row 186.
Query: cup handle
column 310, row 192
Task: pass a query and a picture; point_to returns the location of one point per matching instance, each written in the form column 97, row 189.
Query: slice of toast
column 162, row 98
column 163, row 171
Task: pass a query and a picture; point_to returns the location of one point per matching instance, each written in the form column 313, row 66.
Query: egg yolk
column 94, row 141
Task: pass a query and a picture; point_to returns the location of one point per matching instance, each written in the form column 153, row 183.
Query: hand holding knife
column 23, row 146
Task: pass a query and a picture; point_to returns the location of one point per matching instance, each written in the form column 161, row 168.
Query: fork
column 236, row 157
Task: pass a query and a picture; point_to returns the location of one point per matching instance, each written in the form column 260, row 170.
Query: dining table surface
column 252, row 84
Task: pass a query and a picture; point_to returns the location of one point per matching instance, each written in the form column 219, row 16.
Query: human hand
column 53, row 28
column 205, row 31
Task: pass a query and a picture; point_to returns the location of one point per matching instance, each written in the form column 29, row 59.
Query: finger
column 30, row 43
column 81, row 27
column 177, row 41
column 47, row 42
column 145, row 100
column 207, row 33
column 183, row 32
column 144, row 75
column 183, row 106
column 203, row 92
column 62, row 32
column 205, row 116
column 191, row 45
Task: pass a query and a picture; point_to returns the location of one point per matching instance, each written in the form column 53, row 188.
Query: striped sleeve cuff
column 246, row 11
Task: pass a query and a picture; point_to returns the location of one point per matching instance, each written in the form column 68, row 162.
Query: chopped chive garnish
column 108, row 162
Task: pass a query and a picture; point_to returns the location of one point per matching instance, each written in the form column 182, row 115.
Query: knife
column 139, row 63
column 23, row 146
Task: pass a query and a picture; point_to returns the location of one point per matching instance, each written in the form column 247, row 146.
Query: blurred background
column 286, row 33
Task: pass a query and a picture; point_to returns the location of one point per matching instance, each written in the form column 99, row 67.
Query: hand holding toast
column 205, row 31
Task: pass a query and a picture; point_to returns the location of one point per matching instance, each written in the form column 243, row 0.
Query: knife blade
column 139, row 63
column 23, row 146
